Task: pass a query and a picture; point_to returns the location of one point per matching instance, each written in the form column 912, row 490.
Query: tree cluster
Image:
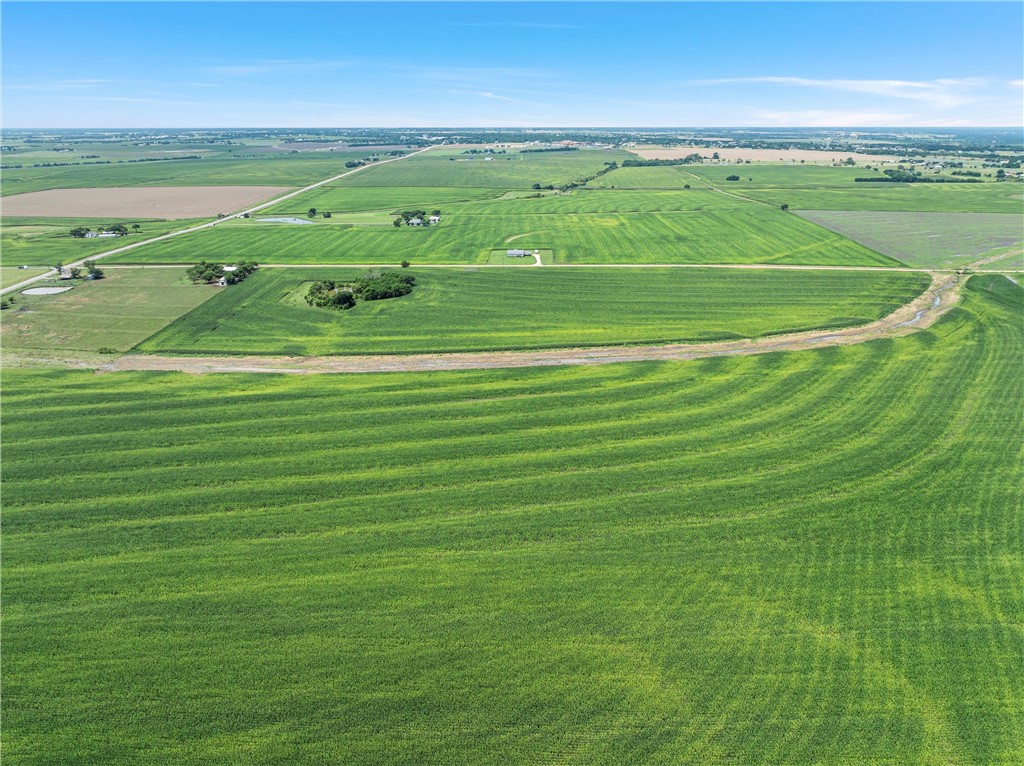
column 407, row 215
column 911, row 177
column 343, row 295
column 214, row 272
column 689, row 159
column 550, row 149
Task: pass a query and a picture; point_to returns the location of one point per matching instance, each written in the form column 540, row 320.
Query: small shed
column 434, row 219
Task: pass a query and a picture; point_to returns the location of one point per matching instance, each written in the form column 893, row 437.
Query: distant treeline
column 689, row 159
column 550, row 149
column 910, row 177
column 104, row 162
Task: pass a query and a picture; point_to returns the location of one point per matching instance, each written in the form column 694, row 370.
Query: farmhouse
column 91, row 234
column 434, row 219
column 415, row 221
column 517, row 253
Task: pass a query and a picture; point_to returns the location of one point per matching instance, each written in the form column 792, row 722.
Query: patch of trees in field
column 209, row 273
column 911, row 177
column 550, row 149
column 689, row 159
column 331, row 294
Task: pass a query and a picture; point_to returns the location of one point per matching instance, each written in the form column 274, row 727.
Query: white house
column 91, row 234
column 415, row 221
column 517, row 253
column 434, row 219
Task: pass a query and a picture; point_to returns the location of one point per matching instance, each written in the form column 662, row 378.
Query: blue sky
column 512, row 64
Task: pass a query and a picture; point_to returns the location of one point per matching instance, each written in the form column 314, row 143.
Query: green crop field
column 343, row 199
column 488, row 309
column 114, row 313
column 741, row 233
column 264, row 171
column 823, row 188
column 441, row 167
column 45, row 241
column 810, row 557
column 928, row 240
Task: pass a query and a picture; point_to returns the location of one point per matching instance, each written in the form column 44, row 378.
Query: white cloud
column 942, row 93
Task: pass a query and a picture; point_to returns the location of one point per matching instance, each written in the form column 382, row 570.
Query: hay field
column 171, row 202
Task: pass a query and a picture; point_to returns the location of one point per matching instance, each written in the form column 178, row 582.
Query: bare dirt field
column 138, row 202
column 758, row 155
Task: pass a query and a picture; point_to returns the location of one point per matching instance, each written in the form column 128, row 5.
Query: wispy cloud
column 944, row 93
column 479, row 76
column 58, row 85
column 498, row 97
column 824, row 118
column 272, row 66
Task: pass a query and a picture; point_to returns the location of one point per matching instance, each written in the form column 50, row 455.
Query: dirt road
column 922, row 312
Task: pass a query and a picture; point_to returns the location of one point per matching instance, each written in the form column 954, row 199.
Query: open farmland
column 792, row 558
column 496, row 309
column 928, row 240
column 344, row 199
column 449, row 167
column 148, row 202
column 822, row 188
column 114, row 313
column 300, row 170
column 755, row 155
column 748, row 233
column 44, row 241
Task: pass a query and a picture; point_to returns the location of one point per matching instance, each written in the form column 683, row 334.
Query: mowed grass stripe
column 812, row 556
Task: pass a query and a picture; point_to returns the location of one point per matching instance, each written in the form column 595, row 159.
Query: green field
column 11, row 275
column 823, row 188
column 343, row 199
column 797, row 558
column 297, row 170
column 44, row 241
column 448, row 167
column 489, row 309
column 735, row 233
column 927, row 240
column 116, row 312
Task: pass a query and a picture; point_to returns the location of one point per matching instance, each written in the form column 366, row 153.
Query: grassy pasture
column 601, row 201
column 494, row 309
column 267, row 171
column 116, row 312
column 441, row 167
column 736, row 234
column 10, row 275
column 824, row 188
column 346, row 199
column 44, row 241
column 927, row 240
column 790, row 558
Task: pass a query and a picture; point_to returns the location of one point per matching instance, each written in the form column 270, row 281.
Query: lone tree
column 135, row 227
column 79, row 231
column 95, row 272
column 312, row 212
column 732, row 178
column 785, row 206
column 397, row 222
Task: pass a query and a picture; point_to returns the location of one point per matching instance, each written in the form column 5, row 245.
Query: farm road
column 208, row 224
column 922, row 312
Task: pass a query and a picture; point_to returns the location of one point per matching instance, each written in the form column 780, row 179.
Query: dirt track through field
column 922, row 312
